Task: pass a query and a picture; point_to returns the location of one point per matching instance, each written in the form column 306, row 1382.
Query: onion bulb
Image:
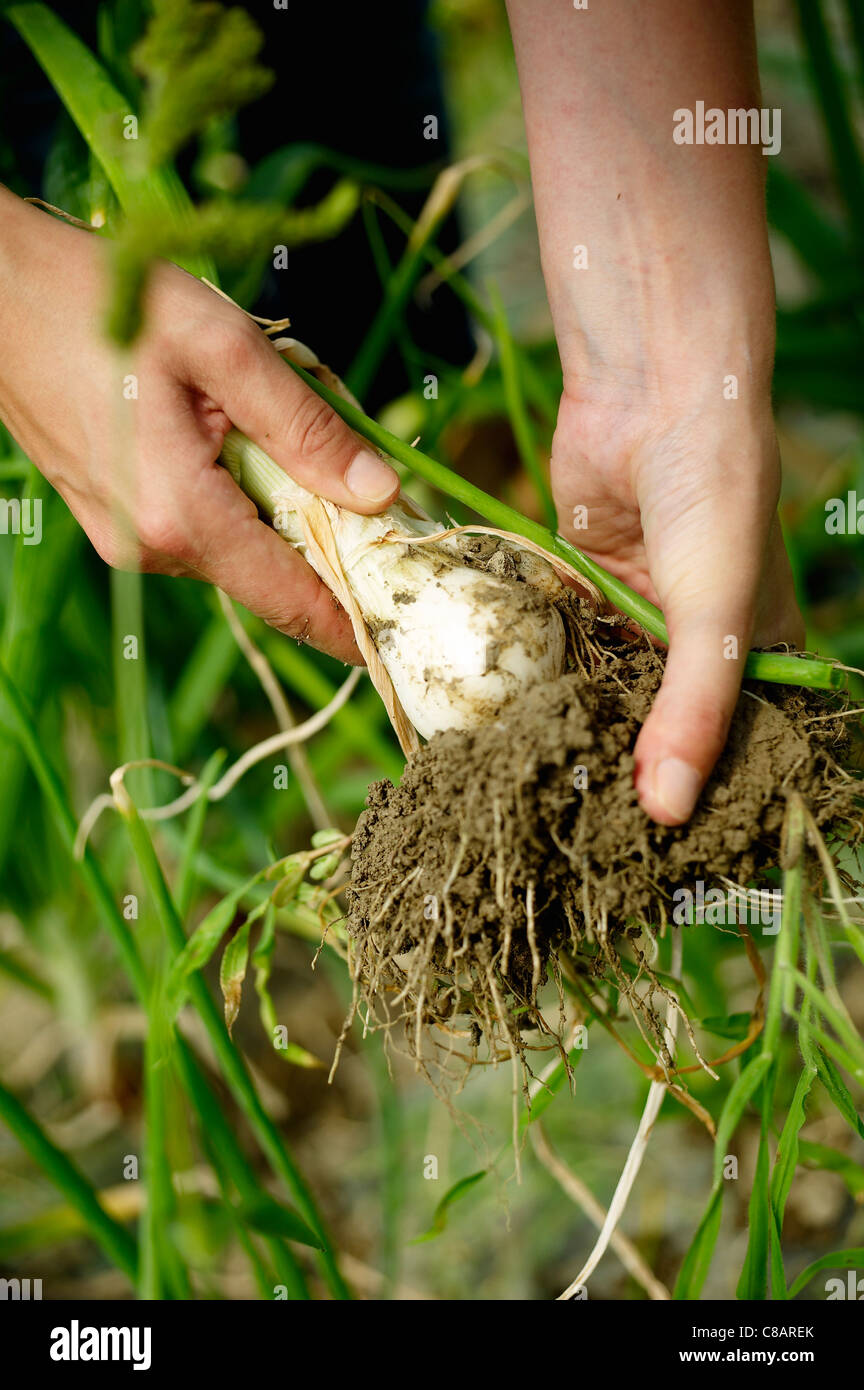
column 460, row 625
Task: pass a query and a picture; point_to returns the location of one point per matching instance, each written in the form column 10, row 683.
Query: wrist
column 674, row 337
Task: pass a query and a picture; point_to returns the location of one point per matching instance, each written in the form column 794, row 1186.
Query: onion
column 457, row 639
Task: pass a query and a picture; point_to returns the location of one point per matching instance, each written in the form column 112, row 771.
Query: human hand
column 657, row 266
column 141, row 474
column 681, row 505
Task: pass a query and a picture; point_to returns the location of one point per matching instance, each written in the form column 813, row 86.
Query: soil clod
column 512, row 846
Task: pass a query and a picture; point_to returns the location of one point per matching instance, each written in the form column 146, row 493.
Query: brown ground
column 507, row 844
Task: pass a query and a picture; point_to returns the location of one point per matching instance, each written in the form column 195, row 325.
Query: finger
column 214, row 531
column 243, row 373
column 706, row 553
column 686, row 730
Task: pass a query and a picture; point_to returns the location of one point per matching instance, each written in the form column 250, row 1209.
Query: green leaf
column 731, row 1026
column 442, row 1211
column 736, row 1103
column 262, row 959
column 697, row 1261
column 829, row 83
column 328, row 836
column 322, row 868
column 838, row 1259
column 785, row 1163
column 99, row 111
column 839, row 1021
column 838, row 1091
column 786, row 1159
column 819, row 241
column 832, row 1161
column 292, row 875
column 325, row 866
column 273, row 1218
column 753, row 1283
column 202, row 944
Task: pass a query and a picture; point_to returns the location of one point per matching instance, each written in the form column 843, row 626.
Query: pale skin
column 200, row 366
column 680, row 483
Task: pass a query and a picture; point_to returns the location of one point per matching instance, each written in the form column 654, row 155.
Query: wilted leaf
column 232, row 972
column 202, row 944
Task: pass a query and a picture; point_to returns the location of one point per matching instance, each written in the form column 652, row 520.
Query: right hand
column 141, row 475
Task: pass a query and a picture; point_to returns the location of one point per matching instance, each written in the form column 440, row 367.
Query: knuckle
column 315, row 428
column 232, row 346
column 163, row 531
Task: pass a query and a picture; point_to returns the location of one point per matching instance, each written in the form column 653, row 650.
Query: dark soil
column 509, row 844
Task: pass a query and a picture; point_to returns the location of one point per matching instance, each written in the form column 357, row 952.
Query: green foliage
column 230, row 233
column 190, row 698
column 199, row 61
column 453, row 1195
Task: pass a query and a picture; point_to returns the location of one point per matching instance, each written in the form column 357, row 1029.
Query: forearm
column 674, row 234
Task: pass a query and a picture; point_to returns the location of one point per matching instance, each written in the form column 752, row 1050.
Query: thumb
column 244, row 375
column 686, row 730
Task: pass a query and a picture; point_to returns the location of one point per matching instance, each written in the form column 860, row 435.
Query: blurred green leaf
column 442, row 1211
column 753, row 1281
column 697, row 1261
column 785, row 1163
column 99, row 111
column 199, row 61
column 272, row 1218
column 838, row 1259
column 832, row 1161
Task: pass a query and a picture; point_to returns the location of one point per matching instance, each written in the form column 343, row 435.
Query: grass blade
column 838, row 1259
column 230, row 1062
column 38, row 588
column 116, row 1242
column 830, row 87
column 453, row 1194
column 697, row 1261
column 520, row 422
column 785, row 1163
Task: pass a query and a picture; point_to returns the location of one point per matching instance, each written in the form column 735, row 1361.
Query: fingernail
column 676, row 786
column 370, row 478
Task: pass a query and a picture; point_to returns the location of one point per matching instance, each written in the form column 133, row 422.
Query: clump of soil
column 522, row 841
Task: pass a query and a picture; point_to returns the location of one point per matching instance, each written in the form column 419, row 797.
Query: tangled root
column 517, row 852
